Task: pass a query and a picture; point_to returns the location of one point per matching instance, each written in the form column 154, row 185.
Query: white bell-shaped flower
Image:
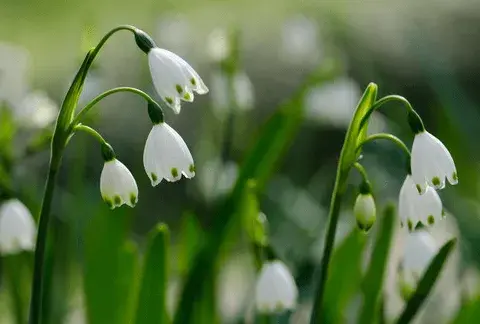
column 414, row 207
column 117, row 185
column 420, row 248
column 166, row 156
column 365, row 211
column 276, row 290
column 431, row 162
column 17, row 228
column 173, row 78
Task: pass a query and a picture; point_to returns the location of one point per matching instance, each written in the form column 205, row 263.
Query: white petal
column 276, row 289
column 420, row 248
column 17, row 227
column 118, row 185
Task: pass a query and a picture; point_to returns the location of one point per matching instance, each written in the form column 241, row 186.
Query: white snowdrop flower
column 217, row 178
column 173, row 78
column 36, row 110
column 166, row 156
column 414, row 207
column 365, row 211
column 218, row 47
column 420, row 248
column 17, row 228
column 117, row 185
column 275, row 290
column 300, row 40
column 431, row 162
column 14, row 65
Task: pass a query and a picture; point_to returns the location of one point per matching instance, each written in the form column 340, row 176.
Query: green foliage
column 191, row 236
column 345, row 276
column 426, row 284
column 151, row 307
column 17, row 270
column 275, row 137
column 372, row 284
column 469, row 312
column 110, row 271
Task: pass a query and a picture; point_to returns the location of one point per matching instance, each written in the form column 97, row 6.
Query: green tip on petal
column 133, row 199
column 193, row 81
column 179, row 88
column 410, row 225
column 174, row 172
column 169, row 100
column 117, row 200
column 187, row 96
column 436, row 181
column 431, row 220
column 455, row 176
column 191, row 168
column 154, row 177
column 419, row 188
column 108, row 202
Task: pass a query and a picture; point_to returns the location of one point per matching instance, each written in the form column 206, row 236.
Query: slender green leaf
column 152, row 308
column 269, row 146
column 425, row 285
column 345, row 276
column 191, row 235
column 372, row 284
column 109, row 269
column 17, row 270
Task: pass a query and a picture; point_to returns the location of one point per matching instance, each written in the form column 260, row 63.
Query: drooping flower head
column 276, row 290
column 166, row 156
column 173, row 78
column 414, row 207
column 365, row 211
column 431, row 162
column 117, row 184
column 17, row 228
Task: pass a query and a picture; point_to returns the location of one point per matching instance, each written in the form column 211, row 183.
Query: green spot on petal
column 133, row 199
column 431, row 220
column 187, row 96
column 154, row 177
column 169, row 100
column 419, row 188
column 179, row 89
column 117, row 200
column 174, row 172
column 108, row 202
column 191, row 168
column 455, row 176
column 436, row 181
column 193, row 81
column 410, row 225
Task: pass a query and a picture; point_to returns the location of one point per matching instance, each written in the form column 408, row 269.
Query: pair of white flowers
column 166, row 156
column 431, row 164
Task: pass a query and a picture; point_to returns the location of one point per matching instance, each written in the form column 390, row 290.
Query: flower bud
column 365, row 211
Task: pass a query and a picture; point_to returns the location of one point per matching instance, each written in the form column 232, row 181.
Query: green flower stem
column 380, row 102
column 362, row 171
column 90, row 131
column 388, row 137
column 37, row 284
column 97, row 99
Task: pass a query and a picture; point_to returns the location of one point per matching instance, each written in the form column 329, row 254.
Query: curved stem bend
column 388, row 137
column 380, row 102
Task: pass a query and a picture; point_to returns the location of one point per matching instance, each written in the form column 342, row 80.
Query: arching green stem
column 362, row 171
column 388, row 137
column 97, row 99
column 380, row 102
column 91, row 132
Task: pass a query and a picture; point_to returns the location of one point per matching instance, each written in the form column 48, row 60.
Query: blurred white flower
column 275, row 290
column 166, row 156
column 431, row 162
column 173, row 78
column 365, row 211
column 420, row 248
column 14, row 64
column 174, row 31
column 217, row 178
column 36, row 110
column 414, row 208
column 218, row 46
column 243, row 93
column 117, row 185
column 300, row 42
column 333, row 103
column 17, row 228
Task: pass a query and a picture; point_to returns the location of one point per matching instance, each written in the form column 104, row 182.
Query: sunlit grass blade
column 109, row 268
column 269, row 146
column 373, row 281
column 344, row 276
column 426, row 284
column 151, row 306
column 17, row 270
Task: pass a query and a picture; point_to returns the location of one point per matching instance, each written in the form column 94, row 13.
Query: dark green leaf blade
column 151, row 307
column 373, row 281
column 345, row 276
column 425, row 285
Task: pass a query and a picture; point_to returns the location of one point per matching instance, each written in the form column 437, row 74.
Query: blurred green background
column 426, row 51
